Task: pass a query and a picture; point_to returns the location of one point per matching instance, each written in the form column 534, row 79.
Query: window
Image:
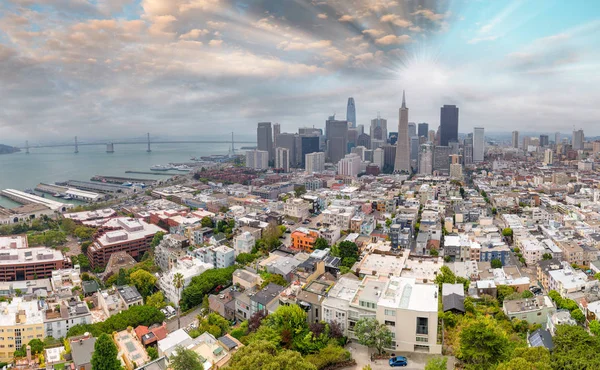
column 390, row 323
column 422, row 326
column 422, row 339
column 390, row 312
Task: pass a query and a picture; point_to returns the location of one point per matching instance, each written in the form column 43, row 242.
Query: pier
column 120, row 180
column 160, row 173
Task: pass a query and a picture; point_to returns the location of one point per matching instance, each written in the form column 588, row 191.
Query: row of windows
column 368, row 304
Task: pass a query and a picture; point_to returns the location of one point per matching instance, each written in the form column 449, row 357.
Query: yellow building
column 20, row 322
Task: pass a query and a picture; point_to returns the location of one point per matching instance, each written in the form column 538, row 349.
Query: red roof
column 160, row 332
column 140, row 331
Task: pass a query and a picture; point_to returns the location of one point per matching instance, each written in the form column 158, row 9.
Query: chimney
column 28, row 353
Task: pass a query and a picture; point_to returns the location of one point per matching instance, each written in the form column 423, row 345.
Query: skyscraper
column 448, row 124
column 264, row 138
column 478, row 144
column 351, row 113
column 336, row 134
column 378, row 129
column 441, row 159
column 276, row 131
column 544, row 141
column 310, row 144
column 414, row 151
column 556, row 138
column 515, row 139
column 378, row 157
column 402, row 162
column 423, row 129
column 257, row 159
column 578, row 139
column 288, row 141
column 425, row 159
column 412, row 129
column 282, row 159
column 548, row 157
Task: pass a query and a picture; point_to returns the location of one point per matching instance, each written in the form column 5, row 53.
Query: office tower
column 360, row 129
column 426, row 159
column 288, row 141
column 282, row 159
column 360, row 151
column 264, row 138
column 349, row 165
column 412, row 129
column 468, row 150
column 414, row 151
column 423, row 129
column 378, row 157
column 455, row 146
column 257, row 159
column 402, row 162
column 364, row 140
column 368, row 155
column 315, row 162
column 276, row 131
column 526, row 142
column 448, row 124
column 441, row 159
column 378, row 129
column 336, row 135
column 478, row 144
column 455, row 159
column 544, row 140
column 389, row 156
column 352, row 138
column 351, row 113
column 578, row 140
column 431, row 136
column 309, row 144
column 392, row 137
column 557, row 138
column 515, row 139
column 548, row 157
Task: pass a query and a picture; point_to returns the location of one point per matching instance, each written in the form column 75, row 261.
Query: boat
column 140, row 184
column 68, row 197
column 183, row 167
column 29, row 191
column 160, row 167
column 56, row 195
column 127, row 183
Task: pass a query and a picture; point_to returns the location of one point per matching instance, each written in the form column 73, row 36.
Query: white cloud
column 346, row 18
column 393, row 40
column 373, row 32
column 322, row 16
column 295, row 46
column 396, row 20
column 194, row 34
column 215, row 43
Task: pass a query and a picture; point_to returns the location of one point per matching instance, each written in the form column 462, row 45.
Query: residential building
column 338, row 216
column 188, row 267
column 282, row 159
column 257, row 159
column 130, row 235
column 315, row 162
column 297, row 208
column 349, row 165
column 20, row 322
column 220, row 256
column 304, row 239
column 114, row 300
column 58, row 319
column 535, row 310
column 82, row 349
column 243, row 243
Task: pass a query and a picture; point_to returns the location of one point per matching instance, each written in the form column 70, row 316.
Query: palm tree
column 178, row 283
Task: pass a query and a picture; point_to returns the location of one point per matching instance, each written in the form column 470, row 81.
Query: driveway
column 416, row 360
column 185, row 320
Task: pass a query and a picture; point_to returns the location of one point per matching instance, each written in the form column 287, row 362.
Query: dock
column 163, row 173
column 120, row 180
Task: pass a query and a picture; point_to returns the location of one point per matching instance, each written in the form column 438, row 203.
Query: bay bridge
column 110, row 145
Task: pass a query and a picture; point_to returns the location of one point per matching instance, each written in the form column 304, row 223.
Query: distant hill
column 5, row 149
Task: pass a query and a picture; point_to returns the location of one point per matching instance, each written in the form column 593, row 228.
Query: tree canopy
column 265, row 355
column 143, row 281
column 373, row 334
column 483, row 344
column 105, row 354
column 185, row 359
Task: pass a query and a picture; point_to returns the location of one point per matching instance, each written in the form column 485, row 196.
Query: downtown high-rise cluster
column 412, row 148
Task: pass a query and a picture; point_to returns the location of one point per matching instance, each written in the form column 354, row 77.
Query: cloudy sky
column 120, row 68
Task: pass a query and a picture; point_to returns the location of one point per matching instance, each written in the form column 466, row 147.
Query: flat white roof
column 13, row 242
column 30, row 198
column 405, row 293
column 9, row 311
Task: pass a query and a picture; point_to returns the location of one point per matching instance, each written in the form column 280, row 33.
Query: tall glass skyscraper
column 448, row 124
column 264, row 138
column 423, row 129
column 351, row 113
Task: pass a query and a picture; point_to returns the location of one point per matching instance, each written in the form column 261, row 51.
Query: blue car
column 398, row 361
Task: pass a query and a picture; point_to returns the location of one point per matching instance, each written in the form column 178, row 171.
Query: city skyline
column 130, row 67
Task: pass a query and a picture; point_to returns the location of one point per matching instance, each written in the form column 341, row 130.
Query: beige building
column 20, row 322
column 297, row 208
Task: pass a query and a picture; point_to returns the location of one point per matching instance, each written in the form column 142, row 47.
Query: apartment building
column 338, row 216
column 121, row 234
column 188, row 267
column 408, row 308
column 532, row 251
column 18, row 262
column 219, row 256
column 243, row 243
column 534, row 310
column 304, row 239
column 20, row 322
column 59, row 318
column 297, row 208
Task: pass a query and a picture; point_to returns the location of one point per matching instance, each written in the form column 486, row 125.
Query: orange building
column 304, row 239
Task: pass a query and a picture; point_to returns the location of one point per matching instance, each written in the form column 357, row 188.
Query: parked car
column 398, row 361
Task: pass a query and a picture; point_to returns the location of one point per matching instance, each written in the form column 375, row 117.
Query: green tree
column 527, row 294
column 185, row 359
column 300, row 190
column 437, row 363
column 275, row 279
column 289, row 322
column 496, row 263
column 508, row 232
column 574, row 348
column 122, row 278
column 503, row 291
column 207, row 222
column 447, row 276
column 178, row 284
column 270, row 236
column 245, row 258
column 143, row 281
column 105, row 354
column 528, row 358
column 373, row 334
column 84, row 232
column 595, row 328
column 321, row 243
column 37, row 346
column 262, row 354
column 68, row 225
column 546, row 256
column 578, row 316
column 152, row 353
column 434, row 252
column 329, row 356
column 158, row 237
column 214, row 324
column 156, row 300
column 483, row 344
